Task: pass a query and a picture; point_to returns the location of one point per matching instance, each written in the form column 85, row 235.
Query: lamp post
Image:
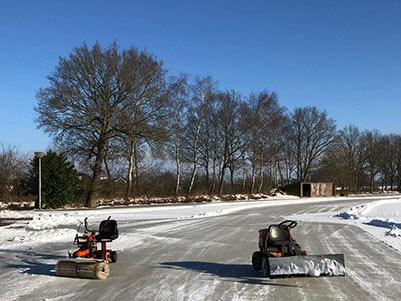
column 40, row 155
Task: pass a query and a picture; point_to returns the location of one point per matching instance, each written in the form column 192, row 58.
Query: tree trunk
column 177, row 161
column 130, row 169
column 253, row 178
column 195, row 156
column 136, row 162
column 260, row 179
column 106, row 166
column 243, row 173
column 223, row 173
column 232, row 178
column 213, row 187
column 91, row 200
column 177, row 147
column 371, row 183
column 191, row 185
column 215, row 150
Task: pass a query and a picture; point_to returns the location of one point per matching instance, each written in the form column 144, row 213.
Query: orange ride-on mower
column 89, row 261
column 280, row 255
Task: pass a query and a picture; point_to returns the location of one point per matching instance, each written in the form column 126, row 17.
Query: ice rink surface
column 203, row 252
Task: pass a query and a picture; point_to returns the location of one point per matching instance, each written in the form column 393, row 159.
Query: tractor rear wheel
column 257, row 260
column 113, row 256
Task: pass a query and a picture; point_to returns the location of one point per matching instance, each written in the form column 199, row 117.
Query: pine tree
column 59, row 180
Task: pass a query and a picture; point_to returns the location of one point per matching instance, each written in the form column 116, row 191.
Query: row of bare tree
column 362, row 160
column 13, row 168
column 115, row 111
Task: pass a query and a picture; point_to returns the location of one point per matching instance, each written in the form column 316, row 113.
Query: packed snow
column 381, row 218
column 30, row 229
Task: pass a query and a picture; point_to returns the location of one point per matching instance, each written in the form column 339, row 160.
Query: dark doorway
column 306, row 190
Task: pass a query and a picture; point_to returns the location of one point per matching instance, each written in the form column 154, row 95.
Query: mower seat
column 278, row 237
column 280, row 240
column 107, row 230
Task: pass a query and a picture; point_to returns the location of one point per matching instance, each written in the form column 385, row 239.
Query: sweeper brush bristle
column 83, row 268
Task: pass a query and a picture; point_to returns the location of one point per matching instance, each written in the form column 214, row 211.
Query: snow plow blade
column 83, row 268
column 311, row 265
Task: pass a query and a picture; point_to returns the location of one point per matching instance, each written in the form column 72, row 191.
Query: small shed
column 310, row 189
column 316, row 189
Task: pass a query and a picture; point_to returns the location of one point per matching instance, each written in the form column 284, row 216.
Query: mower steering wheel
column 287, row 224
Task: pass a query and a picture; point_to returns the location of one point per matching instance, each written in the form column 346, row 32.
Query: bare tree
column 264, row 122
column 310, row 133
column 352, row 155
column 213, row 129
column 201, row 91
column 371, row 142
column 12, row 169
column 179, row 92
column 144, row 120
column 86, row 94
column 231, row 131
column 397, row 148
column 388, row 160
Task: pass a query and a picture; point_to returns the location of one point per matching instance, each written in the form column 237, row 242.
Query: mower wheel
column 113, row 256
column 257, row 260
column 265, row 266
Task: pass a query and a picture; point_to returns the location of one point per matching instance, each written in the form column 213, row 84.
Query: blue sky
column 341, row 56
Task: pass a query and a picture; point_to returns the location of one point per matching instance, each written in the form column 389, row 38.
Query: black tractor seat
column 107, row 230
column 280, row 240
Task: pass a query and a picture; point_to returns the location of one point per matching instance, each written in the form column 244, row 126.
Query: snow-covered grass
column 381, row 218
column 376, row 217
column 60, row 223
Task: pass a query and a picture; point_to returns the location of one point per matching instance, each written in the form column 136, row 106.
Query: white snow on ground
column 381, row 218
column 61, row 223
column 10, row 214
column 55, row 226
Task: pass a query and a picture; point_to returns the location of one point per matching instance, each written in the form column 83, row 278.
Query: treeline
column 366, row 160
column 121, row 118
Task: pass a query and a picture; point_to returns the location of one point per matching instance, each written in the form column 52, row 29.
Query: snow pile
column 10, row 214
column 381, row 218
column 17, row 238
column 394, row 232
column 309, row 267
column 353, row 213
column 52, row 220
column 384, row 213
column 35, row 237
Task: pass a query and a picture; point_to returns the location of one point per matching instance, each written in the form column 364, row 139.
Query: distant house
column 310, row 189
column 120, row 180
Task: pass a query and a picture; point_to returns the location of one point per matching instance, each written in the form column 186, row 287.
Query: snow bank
column 395, row 232
column 50, row 220
column 11, row 238
column 10, row 214
column 381, row 218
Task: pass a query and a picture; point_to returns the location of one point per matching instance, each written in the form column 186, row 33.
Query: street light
column 40, row 155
